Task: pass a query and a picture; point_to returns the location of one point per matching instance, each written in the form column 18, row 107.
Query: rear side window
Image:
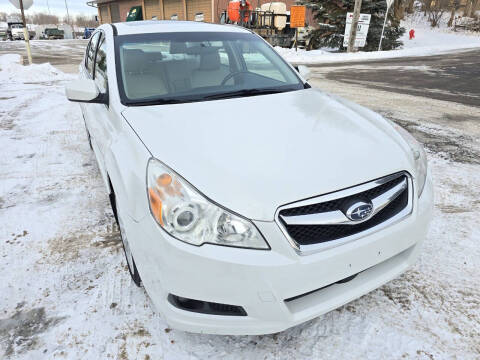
column 101, row 66
column 92, row 47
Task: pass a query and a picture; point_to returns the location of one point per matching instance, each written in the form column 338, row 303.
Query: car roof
column 157, row 26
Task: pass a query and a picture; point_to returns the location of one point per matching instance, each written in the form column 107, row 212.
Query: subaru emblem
column 360, row 211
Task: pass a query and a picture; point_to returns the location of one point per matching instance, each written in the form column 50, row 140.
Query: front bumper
column 261, row 281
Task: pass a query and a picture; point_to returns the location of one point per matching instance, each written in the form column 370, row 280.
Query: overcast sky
column 57, row 7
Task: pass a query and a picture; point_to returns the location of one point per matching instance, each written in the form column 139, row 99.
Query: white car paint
column 304, row 149
column 287, row 147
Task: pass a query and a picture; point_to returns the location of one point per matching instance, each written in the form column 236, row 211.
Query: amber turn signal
column 155, row 205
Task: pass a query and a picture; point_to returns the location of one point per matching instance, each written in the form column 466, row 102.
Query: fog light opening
column 205, row 307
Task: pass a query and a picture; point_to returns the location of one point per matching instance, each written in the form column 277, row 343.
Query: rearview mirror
column 304, row 72
column 86, row 91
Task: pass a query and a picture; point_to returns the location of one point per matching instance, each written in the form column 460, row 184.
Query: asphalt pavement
column 63, row 54
column 451, row 77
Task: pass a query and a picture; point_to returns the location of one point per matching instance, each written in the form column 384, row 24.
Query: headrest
column 210, row 60
column 153, row 57
column 134, row 60
column 178, row 47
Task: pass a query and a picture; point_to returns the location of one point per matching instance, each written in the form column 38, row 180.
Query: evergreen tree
column 331, row 15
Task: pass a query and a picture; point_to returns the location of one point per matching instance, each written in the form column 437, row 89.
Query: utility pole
column 26, row 35
column 353, row 29
column 68, row 20
column 389, row 4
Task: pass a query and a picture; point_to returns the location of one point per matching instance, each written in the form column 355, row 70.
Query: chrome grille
column 322, row 222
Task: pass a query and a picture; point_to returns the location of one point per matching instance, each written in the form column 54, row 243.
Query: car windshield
column 166, row 68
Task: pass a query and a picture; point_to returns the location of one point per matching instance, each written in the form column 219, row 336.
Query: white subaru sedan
column 247, row 201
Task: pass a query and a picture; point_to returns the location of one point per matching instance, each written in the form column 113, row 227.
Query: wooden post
column 143, row 10
column 26, row 35
column 353, row 29
column 212, row 19
column 162, row 10
column 184, row 10
column 296, row 39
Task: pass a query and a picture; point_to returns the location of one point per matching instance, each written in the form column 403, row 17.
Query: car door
column 86, row 72
column 100, row 115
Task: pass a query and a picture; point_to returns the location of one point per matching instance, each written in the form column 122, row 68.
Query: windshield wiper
column 161, row 102
column 227, row 95
column 243, row 93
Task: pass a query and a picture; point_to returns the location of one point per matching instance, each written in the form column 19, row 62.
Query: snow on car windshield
column 190, row 66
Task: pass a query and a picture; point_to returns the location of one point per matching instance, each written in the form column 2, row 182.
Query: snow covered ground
column 65, row 291
column 427, row 41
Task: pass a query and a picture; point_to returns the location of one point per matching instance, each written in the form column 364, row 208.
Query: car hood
column 254, row 154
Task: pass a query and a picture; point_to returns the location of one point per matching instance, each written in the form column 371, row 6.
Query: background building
column 200, row 10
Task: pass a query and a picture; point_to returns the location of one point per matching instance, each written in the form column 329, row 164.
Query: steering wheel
column 229, row 76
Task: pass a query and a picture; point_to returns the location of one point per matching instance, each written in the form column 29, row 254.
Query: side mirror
column 304, row 72
column 86, row 91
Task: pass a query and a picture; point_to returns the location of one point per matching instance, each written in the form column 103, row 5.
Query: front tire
column 132, row 267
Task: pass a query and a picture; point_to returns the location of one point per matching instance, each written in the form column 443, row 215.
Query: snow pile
column 12, row 71
column 427, row 41
column 9, row 62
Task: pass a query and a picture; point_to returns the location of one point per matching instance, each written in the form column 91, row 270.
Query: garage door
column 197, row 7
column 172, row 8
column 153, row 10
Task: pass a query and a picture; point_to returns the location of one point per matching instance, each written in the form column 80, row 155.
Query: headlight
column 188, row 216
column 419, row 156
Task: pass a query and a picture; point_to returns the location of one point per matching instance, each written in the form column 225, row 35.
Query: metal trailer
column 263, row 23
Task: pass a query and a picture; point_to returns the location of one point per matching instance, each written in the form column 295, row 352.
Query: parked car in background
column 53, row 34
column 17, row 33
column 247, row 201
column 88, row 32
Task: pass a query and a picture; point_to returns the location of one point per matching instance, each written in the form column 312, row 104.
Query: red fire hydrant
column 412, row 34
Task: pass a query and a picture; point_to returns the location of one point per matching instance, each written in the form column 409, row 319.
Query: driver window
column 101, row 66
column 91, row 52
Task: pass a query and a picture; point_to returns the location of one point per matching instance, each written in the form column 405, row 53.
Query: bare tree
column 468, row 8
column 86, row 21
column 435, row 15
column 411, row 6
column 3, row 16
column 435, row 10
column 427, row 5
column 454, row 4
column 43, row 19
column 471, row 6
column 399, row 7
